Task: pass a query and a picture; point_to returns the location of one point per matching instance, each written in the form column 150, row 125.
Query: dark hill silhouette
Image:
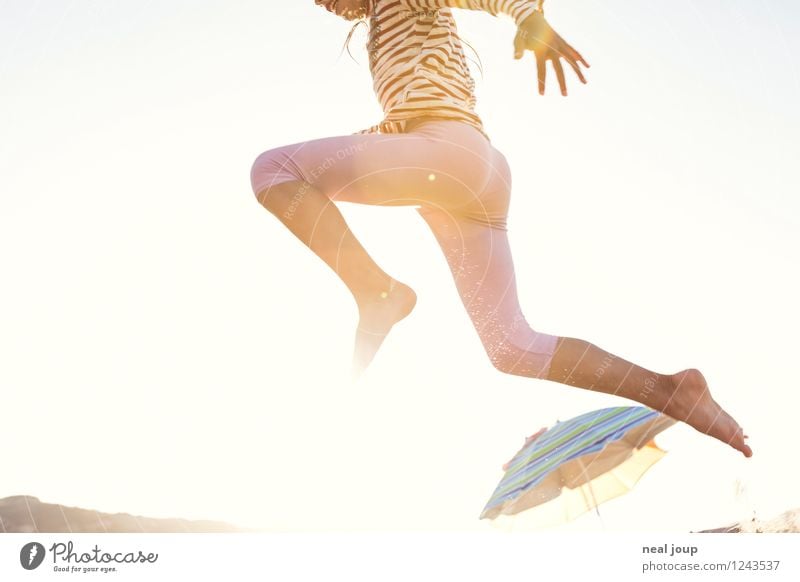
column 787, row 522
column 26, row 514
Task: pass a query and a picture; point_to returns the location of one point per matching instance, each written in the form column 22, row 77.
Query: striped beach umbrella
column 578, row 464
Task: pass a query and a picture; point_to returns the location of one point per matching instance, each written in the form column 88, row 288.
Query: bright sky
column 168, row 348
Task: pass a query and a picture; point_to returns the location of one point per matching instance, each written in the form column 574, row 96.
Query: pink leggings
column 461, row 185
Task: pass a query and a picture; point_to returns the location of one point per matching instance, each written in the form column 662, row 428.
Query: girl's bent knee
column 532, row 361
column 270, row 169
column 527, row 365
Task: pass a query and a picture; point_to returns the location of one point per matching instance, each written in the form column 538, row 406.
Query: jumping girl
column 431, row 151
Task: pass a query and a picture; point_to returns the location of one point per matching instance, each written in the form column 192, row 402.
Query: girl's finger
column 576, row 68
column 519, row 45
column 541, row 72
column 577, row 56
column 562, row 82
column 569, row 49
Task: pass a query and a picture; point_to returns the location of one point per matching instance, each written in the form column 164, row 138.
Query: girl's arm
column 519, row 10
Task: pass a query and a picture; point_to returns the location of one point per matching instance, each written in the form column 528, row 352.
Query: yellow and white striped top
column 417, row 61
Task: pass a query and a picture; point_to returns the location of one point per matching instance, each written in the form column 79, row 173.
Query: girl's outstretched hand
column 536, row 35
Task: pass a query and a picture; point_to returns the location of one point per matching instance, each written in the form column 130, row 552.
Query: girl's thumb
column 519, row 46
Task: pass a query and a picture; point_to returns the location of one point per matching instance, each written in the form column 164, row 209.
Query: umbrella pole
column 591, row 492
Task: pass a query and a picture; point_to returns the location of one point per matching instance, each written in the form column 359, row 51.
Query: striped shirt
column 417, row 61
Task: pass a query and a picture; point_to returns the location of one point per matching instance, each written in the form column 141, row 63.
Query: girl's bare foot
column 377, row 314
column 691, row 402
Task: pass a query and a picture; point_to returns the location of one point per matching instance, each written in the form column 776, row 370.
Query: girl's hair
column 346, row 45
column 364, row 9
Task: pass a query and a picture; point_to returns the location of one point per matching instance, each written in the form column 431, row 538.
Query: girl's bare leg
column 314, row 219
column 684, row 396
column 441, row 161
column 480, row 260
